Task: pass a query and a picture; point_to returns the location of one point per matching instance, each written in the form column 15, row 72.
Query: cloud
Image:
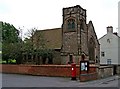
column 45, row 14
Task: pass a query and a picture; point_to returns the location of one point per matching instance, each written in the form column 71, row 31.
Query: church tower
column 74, row 34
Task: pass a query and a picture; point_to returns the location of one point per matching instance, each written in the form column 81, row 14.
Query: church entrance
column 70, row 58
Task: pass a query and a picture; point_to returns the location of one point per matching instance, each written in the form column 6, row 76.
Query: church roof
column 91, row 24
column 53, row 37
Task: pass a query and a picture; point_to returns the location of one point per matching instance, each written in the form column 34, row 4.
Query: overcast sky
column 47, row 14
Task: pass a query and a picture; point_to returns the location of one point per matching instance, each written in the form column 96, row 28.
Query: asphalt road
column 15, row 80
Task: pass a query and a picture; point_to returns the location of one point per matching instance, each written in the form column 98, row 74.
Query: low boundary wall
column 43, row 70
column 57, row 70
column 105, row 71
column 91, row 74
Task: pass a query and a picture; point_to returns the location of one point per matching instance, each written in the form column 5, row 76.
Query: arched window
column 71, row 24
column 91, row 49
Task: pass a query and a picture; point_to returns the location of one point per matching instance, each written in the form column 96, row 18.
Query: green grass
column 10, row 61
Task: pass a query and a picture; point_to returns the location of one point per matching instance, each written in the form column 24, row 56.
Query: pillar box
column 73, row 71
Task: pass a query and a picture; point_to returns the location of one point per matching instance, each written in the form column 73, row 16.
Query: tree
column 9, row 33
column 35, row 44
column 11, row 42
column 28, row 41
column 41, row 41
column 28, row 44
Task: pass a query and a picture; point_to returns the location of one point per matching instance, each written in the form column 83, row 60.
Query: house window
column 71, row 24
column 109, row 61
column 102, row 54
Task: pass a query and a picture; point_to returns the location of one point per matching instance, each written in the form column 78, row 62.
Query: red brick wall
column 44, row 70
column 90, row 75
column 50, row 70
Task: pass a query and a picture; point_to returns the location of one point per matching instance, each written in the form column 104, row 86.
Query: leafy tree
column 9, row 33
column 11, row 42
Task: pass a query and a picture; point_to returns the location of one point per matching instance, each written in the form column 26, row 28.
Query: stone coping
column 105, row 67
column 47, row 65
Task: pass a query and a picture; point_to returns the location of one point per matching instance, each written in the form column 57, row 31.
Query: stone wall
column 105, row 71
column 70, row 42
column 92, row 34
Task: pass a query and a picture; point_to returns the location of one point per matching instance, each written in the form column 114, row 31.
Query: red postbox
column 73, row 70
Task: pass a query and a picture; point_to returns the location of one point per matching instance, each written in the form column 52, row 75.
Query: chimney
column 115, row 33
column 109, row 29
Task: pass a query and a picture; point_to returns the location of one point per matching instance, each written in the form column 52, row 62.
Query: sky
column 47, row 14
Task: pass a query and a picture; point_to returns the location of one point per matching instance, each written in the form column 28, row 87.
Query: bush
column 12, row 61
column 0, row 61
column 4, row 62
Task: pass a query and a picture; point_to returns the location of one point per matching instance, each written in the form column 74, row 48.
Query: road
column 15, row 80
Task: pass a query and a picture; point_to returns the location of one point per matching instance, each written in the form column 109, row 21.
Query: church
column 74, row 39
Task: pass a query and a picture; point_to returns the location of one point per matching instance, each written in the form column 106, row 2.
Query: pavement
column 16, row 80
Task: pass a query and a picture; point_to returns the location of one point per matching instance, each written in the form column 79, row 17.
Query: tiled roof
column 53, row 37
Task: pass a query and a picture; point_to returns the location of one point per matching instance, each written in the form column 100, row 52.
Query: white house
column 110, row 48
